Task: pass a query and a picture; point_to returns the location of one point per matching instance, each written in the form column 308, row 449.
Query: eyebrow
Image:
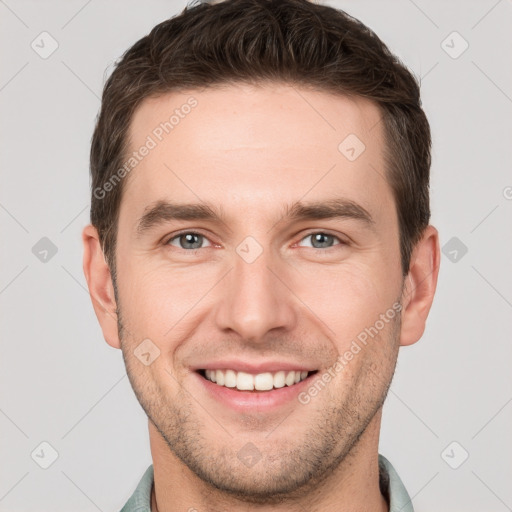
column 162, row 212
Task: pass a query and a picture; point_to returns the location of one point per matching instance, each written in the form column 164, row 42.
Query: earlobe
column 420, row 286
column 99, row 282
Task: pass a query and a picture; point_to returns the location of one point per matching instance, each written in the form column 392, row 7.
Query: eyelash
column 316, row 249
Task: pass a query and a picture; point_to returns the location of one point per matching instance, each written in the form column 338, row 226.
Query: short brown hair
column 254, row 41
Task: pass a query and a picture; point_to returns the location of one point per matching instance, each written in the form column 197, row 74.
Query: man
column 259, row 249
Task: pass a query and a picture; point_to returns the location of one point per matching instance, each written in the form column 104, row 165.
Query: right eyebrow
column 165, row 211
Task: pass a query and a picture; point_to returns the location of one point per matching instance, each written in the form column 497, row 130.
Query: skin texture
column 250, row 151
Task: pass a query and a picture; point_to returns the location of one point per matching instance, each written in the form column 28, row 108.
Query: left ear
column 420, row 286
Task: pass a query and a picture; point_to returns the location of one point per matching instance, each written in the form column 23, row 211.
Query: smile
column 243, row 381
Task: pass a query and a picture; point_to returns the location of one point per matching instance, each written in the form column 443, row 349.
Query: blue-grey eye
column 321, row 240
column 188, row 240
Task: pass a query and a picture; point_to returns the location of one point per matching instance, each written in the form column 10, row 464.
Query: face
column 292, row 255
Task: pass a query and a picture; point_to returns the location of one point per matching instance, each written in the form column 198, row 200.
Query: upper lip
column 254, row 367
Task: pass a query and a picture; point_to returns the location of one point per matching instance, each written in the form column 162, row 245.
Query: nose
column 257, row 298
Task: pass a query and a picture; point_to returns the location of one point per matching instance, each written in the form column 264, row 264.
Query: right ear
column 99, row 282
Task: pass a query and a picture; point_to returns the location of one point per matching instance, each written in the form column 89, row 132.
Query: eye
column 188, row 240
column 321, row 240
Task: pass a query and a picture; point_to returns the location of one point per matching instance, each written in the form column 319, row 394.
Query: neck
column 354, row 483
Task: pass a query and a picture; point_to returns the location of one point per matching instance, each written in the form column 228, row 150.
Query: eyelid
column 324, row 232
column 167, row 239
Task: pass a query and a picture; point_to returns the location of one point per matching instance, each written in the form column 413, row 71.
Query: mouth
column 265, row 382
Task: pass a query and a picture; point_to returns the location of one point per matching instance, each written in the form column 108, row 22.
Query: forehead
column 256, row 146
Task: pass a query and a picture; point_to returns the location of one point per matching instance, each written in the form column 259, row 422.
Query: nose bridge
column 255, row 300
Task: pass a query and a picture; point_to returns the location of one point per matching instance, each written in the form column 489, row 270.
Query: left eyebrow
column 165, row 211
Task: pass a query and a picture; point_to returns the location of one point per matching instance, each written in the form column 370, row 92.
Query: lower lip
column 259, row 401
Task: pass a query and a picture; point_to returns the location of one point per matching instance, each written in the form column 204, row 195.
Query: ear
column 99, row 282
column 420, row 286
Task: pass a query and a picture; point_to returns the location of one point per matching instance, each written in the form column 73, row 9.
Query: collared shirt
column 390, row 486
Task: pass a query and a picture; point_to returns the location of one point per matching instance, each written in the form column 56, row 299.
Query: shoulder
column 393, row 488
column 140, row 500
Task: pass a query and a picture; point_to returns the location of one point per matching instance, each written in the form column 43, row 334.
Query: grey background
column 61, row 383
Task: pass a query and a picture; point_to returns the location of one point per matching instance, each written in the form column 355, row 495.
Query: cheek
column 348, row 298
column 157, row 297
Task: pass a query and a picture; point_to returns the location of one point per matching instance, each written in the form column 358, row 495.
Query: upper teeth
column 261, row 382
